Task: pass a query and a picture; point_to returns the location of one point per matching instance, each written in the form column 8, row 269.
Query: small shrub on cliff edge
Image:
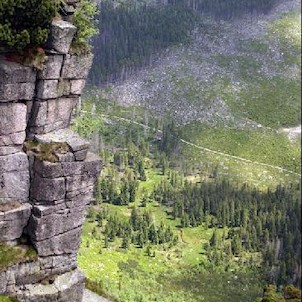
column 25, row 23
column 84, row 20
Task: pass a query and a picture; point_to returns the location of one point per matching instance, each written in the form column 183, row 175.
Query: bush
column 25, row 23
column 86, row 25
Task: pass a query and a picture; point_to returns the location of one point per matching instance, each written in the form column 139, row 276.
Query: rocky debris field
column 190, row 82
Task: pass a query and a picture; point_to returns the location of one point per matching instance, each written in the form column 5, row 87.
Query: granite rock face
column 47, row 174
column 61, row 35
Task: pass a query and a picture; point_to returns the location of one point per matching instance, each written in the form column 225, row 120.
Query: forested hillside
column 133, row 31
column 196, row 114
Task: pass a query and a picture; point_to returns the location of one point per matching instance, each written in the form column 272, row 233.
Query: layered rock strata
column 47, row 174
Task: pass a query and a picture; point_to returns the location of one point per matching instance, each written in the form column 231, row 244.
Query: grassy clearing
column 260, row 145
column 173, row 274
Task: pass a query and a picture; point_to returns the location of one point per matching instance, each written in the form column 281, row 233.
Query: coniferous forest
column 202, row 208
column 133, row 31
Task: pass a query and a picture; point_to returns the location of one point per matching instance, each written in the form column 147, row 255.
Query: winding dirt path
column 237, row 158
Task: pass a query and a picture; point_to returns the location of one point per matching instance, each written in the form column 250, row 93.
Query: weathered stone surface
column 14, row 162
column 48, row 169
column 59, row 219
column 75, row 142
column 35, row 104
column 14, row 139
column 66, row 243
column 28, row 272
column 51, row 89
column 16, row 91
column 12, row 118
column 77, row 66
column 71, row 286
column 52, row 68
column 48, row 89
column 14, row 177
column 79, row 182
column 47, row 190
column 13, row 221
column 9, row 150
column 58, row 264
column 11, row 72
column 80, row 196
column 61, row 35
column 77, row 86
column 14, row 186
column 51, row 115
column 68, row 287
column 91, row 166
column 90, row 296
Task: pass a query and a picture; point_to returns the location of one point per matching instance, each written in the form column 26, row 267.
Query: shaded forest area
column 131, row 33
column 228, row 9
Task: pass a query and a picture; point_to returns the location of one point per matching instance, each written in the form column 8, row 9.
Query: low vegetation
column 10, row 255
column 7, row 299
column 151, row 231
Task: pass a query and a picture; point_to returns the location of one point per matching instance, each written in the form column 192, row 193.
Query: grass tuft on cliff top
column 7, row 299
column 10, row 255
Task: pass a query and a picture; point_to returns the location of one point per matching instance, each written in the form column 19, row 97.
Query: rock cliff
column 47, row 174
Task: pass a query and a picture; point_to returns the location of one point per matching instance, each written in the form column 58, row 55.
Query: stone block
column 47, row 190
column 80, row 196
column 16, row 91
column 14, row 162
column 67, row 287
column 61, row 35
column 48, row 169
column 51, row 115
column 14, row 186
column 77, row 86
column 75, row 142
column 30, row 272
column 58, row 264
column 71, row 286
column 79, row 182
column 59, row 219
column 14, row 139
column 66, row 243
column 9, row 150
column 48, row 89
column 77, row 66
column 90, row 166
column 12, row 118
column 11, row 73
column 13, row 221
column 52, row 68
column 51, row 89
column 14, row 177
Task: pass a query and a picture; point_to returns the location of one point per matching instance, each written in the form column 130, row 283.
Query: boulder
column 61, row 35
